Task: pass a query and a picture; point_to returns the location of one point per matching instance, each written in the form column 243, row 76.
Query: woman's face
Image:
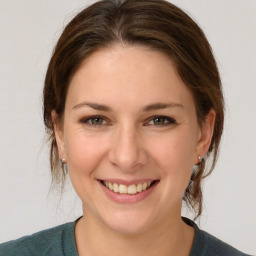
column 130, row 124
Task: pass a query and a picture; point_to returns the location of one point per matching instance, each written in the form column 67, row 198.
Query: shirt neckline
column 197, row 242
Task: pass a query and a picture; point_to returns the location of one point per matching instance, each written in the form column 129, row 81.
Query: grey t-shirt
column 60, row 241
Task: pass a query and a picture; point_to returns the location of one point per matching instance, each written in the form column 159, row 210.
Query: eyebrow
column 147, row 108
column 156, row 106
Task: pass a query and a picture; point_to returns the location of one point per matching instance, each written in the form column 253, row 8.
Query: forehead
column 134, row 75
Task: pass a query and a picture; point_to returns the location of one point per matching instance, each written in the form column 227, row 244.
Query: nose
column 127, row 150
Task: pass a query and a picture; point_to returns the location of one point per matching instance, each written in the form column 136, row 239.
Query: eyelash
column 170, row 121
column 86, row 121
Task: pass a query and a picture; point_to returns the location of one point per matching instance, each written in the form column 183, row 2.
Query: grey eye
column 161, row 121
column 97, row 121
column 94, row 120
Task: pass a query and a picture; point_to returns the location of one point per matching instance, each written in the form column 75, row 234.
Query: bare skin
column 129, row 117
column 170, row 240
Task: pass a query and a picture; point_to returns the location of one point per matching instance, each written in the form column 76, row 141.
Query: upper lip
column 128, row 182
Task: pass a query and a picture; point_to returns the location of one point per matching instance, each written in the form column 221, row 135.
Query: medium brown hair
column 159, row 25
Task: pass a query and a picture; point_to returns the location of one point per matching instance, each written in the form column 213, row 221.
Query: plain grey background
column 28, row 31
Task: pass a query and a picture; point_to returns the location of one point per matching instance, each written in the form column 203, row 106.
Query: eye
column 161, row 121
column 94, row 121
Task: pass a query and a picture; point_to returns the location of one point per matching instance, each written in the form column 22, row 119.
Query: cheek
column 83, row 152
column 174, row 155
column 84, row 155
column 176, row 149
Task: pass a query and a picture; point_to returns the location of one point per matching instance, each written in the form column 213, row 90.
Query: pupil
column 97, row 121
column 159, row 120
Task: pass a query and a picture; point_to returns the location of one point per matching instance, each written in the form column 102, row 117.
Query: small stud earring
column 63, row 161
column 200, row 159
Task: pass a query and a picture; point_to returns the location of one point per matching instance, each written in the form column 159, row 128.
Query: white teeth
column 139, row 187
column 131, row 189
column 115, row 187
column 144, row 186
column 123, row 189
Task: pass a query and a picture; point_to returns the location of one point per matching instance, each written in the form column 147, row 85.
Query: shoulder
column 206, row 244
column 216, row 247
column 47, row 242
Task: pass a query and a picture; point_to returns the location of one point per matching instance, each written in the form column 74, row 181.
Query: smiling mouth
column 129, row 190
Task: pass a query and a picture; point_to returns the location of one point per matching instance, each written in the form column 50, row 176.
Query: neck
column 173, row 238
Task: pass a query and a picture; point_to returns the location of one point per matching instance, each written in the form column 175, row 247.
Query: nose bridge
column 127, row 151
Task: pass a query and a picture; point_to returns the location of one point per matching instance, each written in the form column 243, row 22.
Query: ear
column 58, row 130
column 205, row 135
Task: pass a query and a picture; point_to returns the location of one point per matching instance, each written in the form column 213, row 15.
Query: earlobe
column 206, row 133
column 58, row 131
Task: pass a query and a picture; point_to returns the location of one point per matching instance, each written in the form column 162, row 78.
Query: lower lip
column 126, row 198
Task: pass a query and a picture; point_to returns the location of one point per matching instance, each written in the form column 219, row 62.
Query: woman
column 134, row 110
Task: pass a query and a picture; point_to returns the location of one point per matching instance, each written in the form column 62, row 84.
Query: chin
column 128, row 223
